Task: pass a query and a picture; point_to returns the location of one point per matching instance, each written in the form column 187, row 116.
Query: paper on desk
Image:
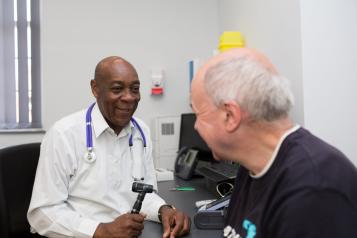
column 164, row 174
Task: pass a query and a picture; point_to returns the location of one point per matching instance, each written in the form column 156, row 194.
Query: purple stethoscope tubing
column 89, row 137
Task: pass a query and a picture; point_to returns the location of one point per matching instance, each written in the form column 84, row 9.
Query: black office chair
column 17, row 173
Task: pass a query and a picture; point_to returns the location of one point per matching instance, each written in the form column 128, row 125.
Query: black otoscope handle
column 138, row 202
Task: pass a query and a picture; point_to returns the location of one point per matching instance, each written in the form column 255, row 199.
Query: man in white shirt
column 79, row 193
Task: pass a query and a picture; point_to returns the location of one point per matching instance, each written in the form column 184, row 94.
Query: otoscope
column 142, row 189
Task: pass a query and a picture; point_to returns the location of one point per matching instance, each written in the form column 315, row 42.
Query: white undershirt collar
column 100, row 124
column 277, row 148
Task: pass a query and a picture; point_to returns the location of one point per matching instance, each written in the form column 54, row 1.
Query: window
column 20, row 91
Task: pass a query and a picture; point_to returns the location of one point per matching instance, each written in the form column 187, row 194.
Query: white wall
column 272, row 27
column 150, row 34
column 329, row 38
column 313, row 43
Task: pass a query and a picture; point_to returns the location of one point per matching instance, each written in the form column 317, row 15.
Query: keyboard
column 218, row 171
column 228, row 170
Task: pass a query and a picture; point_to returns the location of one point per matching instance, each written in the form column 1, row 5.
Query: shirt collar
column 275, row 153
column 100, row 125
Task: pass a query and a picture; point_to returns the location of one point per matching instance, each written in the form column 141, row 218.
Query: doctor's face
column 117, row 89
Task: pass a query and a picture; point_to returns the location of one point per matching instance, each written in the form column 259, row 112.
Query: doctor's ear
column 233, row 115
column 94, row 87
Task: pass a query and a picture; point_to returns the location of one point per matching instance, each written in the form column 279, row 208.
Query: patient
column 290, row 182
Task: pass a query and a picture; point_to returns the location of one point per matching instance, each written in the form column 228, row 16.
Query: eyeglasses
column 224, row 188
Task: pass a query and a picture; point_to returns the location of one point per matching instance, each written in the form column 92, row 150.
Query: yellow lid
column 230, row 39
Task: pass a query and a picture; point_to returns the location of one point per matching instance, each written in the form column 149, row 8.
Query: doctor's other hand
column 174, row 222
column 125, row 226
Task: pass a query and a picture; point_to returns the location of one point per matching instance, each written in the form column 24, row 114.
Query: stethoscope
column 90, row 156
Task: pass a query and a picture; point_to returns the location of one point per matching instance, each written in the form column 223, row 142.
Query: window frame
column 20, row 68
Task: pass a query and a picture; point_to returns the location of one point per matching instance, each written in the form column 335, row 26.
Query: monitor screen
column 189, row 137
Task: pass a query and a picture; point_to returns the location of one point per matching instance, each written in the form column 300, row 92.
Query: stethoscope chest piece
column 89, row 156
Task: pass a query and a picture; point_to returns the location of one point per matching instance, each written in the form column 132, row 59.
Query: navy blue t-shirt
column 310, row 191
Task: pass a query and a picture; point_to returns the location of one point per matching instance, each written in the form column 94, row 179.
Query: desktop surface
column 185, row 202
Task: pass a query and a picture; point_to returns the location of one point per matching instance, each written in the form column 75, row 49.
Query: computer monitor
column 190, row 138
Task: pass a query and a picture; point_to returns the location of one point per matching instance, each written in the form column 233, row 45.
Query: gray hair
column 265, row 95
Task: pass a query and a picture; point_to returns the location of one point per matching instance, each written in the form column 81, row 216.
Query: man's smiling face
column 117, row 90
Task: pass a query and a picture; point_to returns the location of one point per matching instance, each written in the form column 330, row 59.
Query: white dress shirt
column 72, row 196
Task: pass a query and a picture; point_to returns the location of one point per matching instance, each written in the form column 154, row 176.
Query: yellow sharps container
column 230, row 39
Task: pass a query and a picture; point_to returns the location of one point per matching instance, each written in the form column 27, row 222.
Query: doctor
column 89, row 161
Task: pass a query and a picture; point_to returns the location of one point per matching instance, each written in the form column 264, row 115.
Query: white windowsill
column 22, row 131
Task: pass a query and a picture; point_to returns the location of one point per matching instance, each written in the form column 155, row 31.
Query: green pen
column 182, row 189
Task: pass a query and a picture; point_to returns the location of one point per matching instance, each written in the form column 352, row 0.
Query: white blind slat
column 20, row 93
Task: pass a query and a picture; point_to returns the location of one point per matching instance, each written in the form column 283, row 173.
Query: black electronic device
column 209, row 219
column 190, row 138
column 218, row 204
column 142, row 189
column 212, row 215
column 185, row 163
column 204, row 164
column 218, row 173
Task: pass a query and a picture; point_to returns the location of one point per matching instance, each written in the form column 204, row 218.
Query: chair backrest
column 17, row 173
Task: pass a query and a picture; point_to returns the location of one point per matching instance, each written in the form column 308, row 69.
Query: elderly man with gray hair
column 290, row 182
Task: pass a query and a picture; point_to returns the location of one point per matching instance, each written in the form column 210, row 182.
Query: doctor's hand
column 126, row 225
column 174, row 222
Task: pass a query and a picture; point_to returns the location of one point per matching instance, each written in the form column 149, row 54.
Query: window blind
column 20, row 87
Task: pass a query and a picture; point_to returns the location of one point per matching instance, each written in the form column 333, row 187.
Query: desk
column 185, row 202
